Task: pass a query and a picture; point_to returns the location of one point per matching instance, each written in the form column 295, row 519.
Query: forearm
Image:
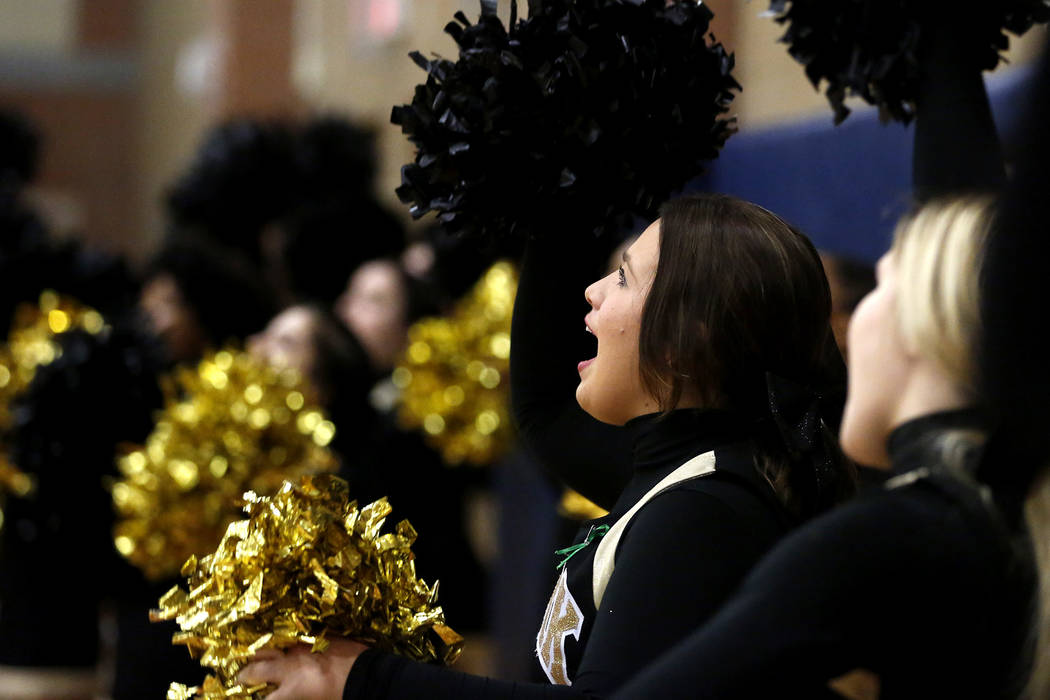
column 957, row 148
column 548, row 340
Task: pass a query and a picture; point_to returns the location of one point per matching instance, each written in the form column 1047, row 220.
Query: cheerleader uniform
column 689, row 515
column 634, row 589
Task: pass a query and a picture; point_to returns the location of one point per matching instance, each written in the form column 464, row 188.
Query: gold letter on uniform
column 562, row 619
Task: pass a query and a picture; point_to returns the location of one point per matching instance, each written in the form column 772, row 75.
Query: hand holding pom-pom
column 300, row 674
column 583, row 115
column 307, row 567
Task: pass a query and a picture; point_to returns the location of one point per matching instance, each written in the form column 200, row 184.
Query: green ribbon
column 595, row 533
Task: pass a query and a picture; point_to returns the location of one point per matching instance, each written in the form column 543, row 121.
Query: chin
column 584, row 401
column 595, row 408
column 864, row 442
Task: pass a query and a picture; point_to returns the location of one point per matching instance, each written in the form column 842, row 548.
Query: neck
column 928, row 390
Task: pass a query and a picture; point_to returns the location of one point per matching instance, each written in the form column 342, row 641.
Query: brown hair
column 739, row 293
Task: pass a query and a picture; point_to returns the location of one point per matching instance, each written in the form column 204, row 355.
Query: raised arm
column 548, row 341
column 957, row 148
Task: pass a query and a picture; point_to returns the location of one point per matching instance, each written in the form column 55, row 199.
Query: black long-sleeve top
column 549, row 339
column 683, row 553
column 957, row 148
column 681, row 556
column 919, row 583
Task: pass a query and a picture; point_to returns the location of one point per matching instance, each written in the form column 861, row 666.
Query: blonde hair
column 937, row 254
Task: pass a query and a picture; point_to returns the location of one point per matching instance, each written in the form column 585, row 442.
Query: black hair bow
column 795, row 410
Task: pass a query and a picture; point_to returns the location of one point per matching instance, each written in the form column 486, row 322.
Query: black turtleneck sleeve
column 548, row 340
column 957, row 148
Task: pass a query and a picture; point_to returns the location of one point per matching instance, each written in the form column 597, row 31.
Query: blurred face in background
column 288, row 340
column 374, row 307
column 172, row 319
column 879, row 369
column 850, row 281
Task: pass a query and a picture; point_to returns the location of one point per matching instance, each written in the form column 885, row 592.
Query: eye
column 623, row 278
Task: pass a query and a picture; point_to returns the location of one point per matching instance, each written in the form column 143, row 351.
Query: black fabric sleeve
column 876, row 584
column 548, row 340
column 378, row 676
column 683, row 555
column 957, row 147
column 1015, row 278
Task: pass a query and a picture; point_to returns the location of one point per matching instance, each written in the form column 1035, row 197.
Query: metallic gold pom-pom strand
column 306, row 563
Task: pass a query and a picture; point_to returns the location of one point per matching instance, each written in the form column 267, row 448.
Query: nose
column 591, row 294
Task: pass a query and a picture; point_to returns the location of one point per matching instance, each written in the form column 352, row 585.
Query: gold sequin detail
column 563, row 619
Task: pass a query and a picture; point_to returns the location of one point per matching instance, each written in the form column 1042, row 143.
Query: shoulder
column 914, row 533
column 706, row 517
column 922, row 508
column 688, row 546
column 692, row 505
column 734, row 493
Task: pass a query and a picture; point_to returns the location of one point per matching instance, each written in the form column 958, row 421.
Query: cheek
column 617, row 356
column 611, row 389
column 876, row 376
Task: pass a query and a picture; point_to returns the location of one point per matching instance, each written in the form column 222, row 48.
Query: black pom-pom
column 30, row 262
column 324, row 243
column 243, row 177
column 585, row 115
column 337, row 159
column 226, row 291
column 870, row 48
column 338, row 223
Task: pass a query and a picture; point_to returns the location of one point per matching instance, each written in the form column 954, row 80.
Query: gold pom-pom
column 307, row 563
column 454, row 375
column 230, row 425
column 31, row 344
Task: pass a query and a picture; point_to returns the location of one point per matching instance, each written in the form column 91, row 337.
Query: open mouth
column 581, row 366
